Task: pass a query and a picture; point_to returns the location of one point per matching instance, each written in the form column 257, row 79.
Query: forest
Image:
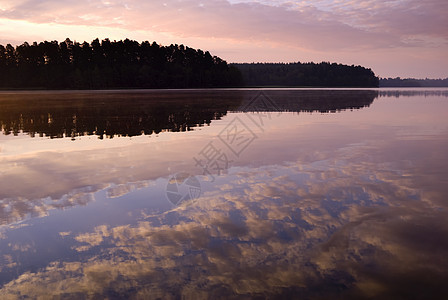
column 412, row 82
column 111, row 64
column 129, row 64
column 311, row 74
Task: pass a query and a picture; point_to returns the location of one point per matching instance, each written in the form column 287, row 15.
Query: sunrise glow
column 406, row 38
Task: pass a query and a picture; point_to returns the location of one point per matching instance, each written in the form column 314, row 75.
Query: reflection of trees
column 309, row 100
column 413, row 93
column 111, row 114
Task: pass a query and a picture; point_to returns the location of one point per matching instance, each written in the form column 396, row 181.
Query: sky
column 406, row 38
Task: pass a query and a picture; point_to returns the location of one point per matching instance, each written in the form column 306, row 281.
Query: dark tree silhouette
column 128, row 64
column 298, row 74
column 412, row 82
column 106, row 64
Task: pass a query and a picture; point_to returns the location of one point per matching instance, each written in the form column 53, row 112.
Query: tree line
column 298, row 74
column 129, row 64
column 111, row 64
column 412, row 82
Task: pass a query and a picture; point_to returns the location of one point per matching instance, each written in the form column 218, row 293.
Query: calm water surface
column 209, row 194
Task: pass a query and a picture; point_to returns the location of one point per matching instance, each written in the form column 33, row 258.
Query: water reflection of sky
column 349, row 204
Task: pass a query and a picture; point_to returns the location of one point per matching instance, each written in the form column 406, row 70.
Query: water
column 208, row 194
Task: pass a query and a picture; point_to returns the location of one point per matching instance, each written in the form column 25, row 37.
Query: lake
column 224, row 193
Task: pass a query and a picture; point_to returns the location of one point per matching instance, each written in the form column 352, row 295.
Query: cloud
column 339, row 25
column 394, row 38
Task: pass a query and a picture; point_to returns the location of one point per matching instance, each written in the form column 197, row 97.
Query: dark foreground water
column 217, row 194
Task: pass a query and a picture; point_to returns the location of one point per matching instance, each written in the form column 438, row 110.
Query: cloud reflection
column 317, row 208
column 339, row 226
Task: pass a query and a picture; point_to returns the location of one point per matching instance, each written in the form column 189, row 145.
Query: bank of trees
column 413, row 82
column 298, row 74
column 111, row 64
column 129, row 64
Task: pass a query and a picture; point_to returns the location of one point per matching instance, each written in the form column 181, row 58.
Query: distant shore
column 412, row 82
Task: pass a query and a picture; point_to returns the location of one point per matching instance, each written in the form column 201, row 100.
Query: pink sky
column 406, row 38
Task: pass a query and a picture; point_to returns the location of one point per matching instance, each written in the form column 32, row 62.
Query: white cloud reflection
column 265, row 237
